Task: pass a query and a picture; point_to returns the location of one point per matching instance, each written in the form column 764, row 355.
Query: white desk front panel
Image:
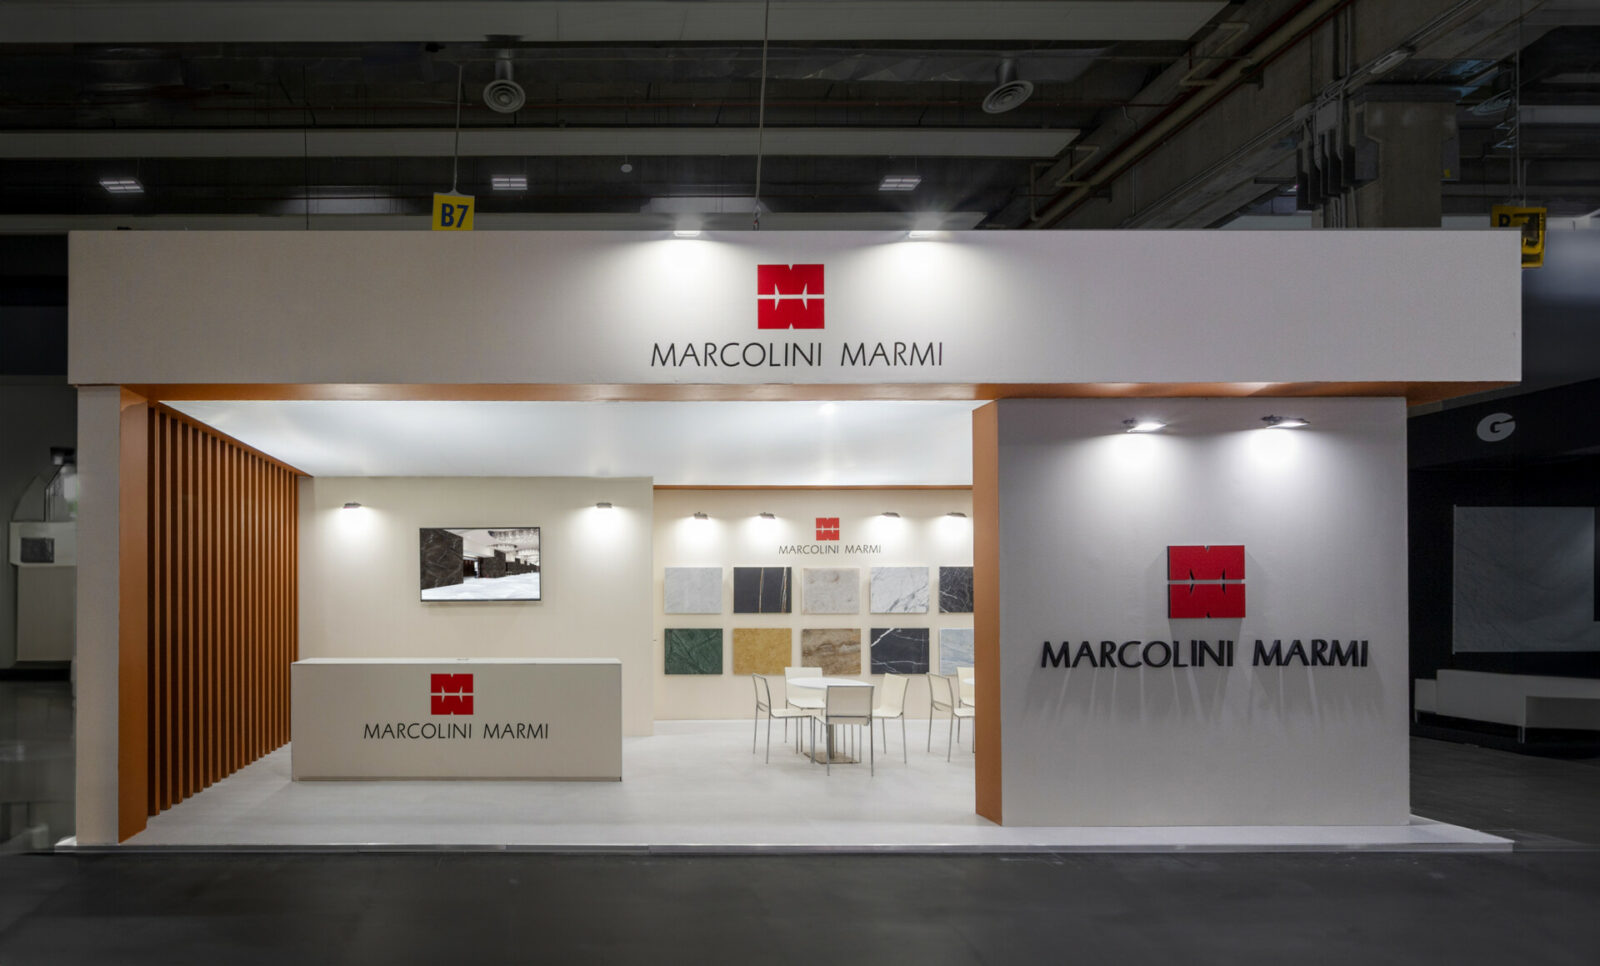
column 476, row 718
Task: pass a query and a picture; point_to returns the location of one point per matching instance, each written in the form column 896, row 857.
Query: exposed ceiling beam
column 334, row 21
column 497, row 221
column 538, row 142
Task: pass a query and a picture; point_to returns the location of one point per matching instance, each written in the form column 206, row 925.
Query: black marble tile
column 761, row 590
column 955, row 590
column 441, row 558
column 899, row 650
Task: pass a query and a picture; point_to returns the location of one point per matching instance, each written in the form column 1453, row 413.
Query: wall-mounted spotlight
column 701, row 516
column 1284, row 422
column 767, row 516
column 1143, row 425
column 686, row 233
column 956, row 513
column 921, row 234
column 352, row 505
column 602, row 506
column 891, row 513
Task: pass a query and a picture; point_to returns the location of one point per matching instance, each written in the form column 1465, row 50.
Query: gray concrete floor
column 1534, row 905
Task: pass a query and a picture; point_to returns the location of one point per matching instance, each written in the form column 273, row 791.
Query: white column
column 96, row 653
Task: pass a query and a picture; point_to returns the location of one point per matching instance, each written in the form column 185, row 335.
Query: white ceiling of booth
column 861, row 443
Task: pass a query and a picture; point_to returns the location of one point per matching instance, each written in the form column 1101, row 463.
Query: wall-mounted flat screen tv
column 481, row 563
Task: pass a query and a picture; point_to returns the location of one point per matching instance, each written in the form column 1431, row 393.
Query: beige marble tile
column 761, row 650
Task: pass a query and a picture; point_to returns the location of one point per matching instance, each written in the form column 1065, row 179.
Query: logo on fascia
column 827, row 528
column 1205, row 582
column 451, row 693
column 789, row 297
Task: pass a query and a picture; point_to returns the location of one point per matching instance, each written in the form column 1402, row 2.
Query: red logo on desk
column 827, row 528
column 452, row 693
column 789, row 297
column 1205, row 582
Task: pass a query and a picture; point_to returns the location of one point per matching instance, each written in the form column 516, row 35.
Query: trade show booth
column 412, row 507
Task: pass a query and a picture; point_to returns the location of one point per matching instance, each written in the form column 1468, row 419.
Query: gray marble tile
column 955, row 590
column 692, row 590
column 831, row 590
column 899, row 650
column 955, row 649
column 899, row 590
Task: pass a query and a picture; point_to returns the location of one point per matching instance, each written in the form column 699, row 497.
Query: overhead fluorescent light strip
column 899, row 182
column 509, row 182
column 122, row 186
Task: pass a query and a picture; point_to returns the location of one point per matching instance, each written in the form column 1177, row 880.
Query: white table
column 821, row 684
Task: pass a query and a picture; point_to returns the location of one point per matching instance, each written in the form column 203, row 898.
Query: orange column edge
column 133, row 603
column 986, row 608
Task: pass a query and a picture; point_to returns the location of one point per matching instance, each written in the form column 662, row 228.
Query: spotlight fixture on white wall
column 686, row 233
column 921, row 234
column 352, row 505
column 701, row 516
column 891, row 513
column 767, row 516
column 956, row 513
column 1143, row 425
column 602, row 506
column 1284, row 422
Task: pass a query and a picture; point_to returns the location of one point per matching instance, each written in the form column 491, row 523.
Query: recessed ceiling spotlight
column 509, row 182
column 1284, row 422
column 122, row 186
column 900, row 182
column 1143, row 425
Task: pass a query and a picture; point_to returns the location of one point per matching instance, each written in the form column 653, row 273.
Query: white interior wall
column 359, row 593
column 736, row 537
column 1086, row 515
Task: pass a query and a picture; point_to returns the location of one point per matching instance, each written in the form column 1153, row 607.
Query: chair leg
column 827, row 758
column 872, row 756
column 950, row 741
column 755, row 730
column 930, row 727
column 769, row 739
column 904, row 756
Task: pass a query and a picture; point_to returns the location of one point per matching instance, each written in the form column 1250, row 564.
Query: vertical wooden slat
column 133, row 620
column 203, row 614
column 153, row 613
column 169, row 597
column 230, row 638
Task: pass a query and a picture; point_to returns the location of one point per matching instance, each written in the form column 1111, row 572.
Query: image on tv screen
column 480, row 563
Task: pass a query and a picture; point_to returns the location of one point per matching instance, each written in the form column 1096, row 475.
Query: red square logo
column 1205, row 582
column 789, row 297
column 827, row 528
column 451, row 693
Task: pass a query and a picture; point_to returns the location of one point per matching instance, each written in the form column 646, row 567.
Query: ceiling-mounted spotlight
column 956, row 513
column 1391, row 60
column 1010, row 92
column 891, row 513
column 1284, row 422
column 503, row 94
column 1143, row 425
column 701, row 516
column 352, row 505
column 767, row 516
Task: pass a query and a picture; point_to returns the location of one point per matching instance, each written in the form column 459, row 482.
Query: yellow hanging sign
column 1532, row 223
column 453, row 212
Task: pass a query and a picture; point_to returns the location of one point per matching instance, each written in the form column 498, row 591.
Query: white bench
column 1524, row 700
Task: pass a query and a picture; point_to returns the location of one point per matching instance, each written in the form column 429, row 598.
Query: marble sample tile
column 692, row 590
column 955, row 590
column 831, row 590
column 761, row 590
column 693, row 650
column 835, row 650
column 955, row 649
column 899, row 590
column 761, row 650
column 899, row 650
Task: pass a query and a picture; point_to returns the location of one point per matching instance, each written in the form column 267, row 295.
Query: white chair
column 893, row 706
column 812, row 699
column 942, row 697
column 966, row 687
column 846, row 705
column 764, row 703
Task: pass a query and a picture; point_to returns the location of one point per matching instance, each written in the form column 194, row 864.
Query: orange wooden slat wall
column 221, row 623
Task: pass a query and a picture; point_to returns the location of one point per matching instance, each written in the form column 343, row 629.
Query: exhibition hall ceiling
column 833, row 114
column 856, row 443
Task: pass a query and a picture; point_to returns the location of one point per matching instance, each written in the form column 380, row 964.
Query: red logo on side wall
column 827, row 528
column 789, row 297
column 452, row 693
column 1205, row 582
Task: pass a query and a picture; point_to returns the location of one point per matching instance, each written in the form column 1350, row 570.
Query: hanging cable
column 761, row 109
column 455, row 158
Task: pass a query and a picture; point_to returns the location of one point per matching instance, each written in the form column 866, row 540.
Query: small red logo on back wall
column 827, row 528
column 451, row 693
column 789, row 297
column 1205, row 582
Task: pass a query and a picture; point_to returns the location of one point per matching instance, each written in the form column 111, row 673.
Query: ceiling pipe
column 1289, row 31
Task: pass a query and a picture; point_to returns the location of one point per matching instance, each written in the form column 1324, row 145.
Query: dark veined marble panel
column 761, row 590
column 899, row 650
column 693, row 650
column 441, row 558
column 955, row 590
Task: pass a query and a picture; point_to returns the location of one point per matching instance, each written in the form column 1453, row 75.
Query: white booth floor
column 695, row 786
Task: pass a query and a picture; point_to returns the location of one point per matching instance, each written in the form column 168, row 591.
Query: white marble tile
column 692, row 590
column 955, row 649
column 831, row 590
column 899, row 590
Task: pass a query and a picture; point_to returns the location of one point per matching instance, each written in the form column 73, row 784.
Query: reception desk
column 516, row 718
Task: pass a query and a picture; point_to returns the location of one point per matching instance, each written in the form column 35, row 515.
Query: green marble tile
column 694, row 650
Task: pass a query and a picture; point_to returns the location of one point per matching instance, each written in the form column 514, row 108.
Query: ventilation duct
column 1010, row 93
